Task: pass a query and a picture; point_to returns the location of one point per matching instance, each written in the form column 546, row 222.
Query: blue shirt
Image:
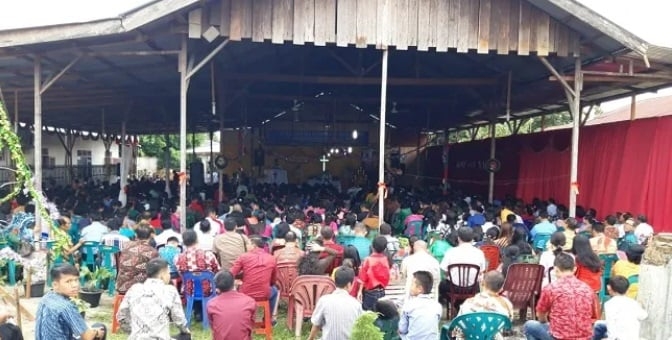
column 476, row 219
column 57, row 318
column 420, row 318
column 544, row 228
column 169, row 253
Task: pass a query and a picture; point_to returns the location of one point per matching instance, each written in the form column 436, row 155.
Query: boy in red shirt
column 374, row 275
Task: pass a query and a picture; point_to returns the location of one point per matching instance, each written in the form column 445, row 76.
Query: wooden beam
column 9, row 298
column 281, row 78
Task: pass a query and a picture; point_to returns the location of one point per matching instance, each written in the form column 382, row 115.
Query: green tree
column 155, row 146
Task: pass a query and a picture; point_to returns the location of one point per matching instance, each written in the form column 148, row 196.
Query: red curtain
column 622, row 167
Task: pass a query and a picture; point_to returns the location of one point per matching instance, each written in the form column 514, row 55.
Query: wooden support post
column 633, row 107
column 381, row 140
column 576, row 121
column 18, row 307
column 184, row 86
column 37, row 136
column 11, row 300
column 491, row 178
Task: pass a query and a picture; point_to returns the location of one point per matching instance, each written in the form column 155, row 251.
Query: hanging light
column 349, row 149
column 355, row 134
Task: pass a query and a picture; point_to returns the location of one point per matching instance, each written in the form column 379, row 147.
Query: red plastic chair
column 522, row 286
column 264, row 327
column 492, row 255
column 286, row 273
column 463, row 283
column 306, row 290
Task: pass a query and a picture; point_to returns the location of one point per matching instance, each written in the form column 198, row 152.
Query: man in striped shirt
column 335, row 313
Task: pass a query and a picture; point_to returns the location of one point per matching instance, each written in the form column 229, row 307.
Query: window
column 83, row 157
column 47, row 162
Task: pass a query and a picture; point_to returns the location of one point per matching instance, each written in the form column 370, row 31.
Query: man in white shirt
column 643, row 230
column 464, row 253
column 421, row 260
column 94, row 232
column 622, row 314
column 335, row 314
column 166, row 233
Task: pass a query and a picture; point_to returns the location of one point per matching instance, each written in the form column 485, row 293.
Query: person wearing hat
column 629, row 237
column 630, row 268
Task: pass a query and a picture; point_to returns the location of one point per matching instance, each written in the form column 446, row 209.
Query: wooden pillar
column 381, row 139
column 575, row 106
column 491, row 178
column 184, row 85
column 633, row 107
column 37, row 142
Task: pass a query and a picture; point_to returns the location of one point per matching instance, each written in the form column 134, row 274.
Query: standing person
column 148, row 308
column 259, row 273
column 57, row 316
column 133, row 259
column 622, row 314
column 566, row 308
column 335, row 314
column 230, row 245
column 421, row 313
column 421, row 260
column 374, row 275
column 231, row 313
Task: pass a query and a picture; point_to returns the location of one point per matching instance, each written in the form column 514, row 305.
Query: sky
column 647, row 19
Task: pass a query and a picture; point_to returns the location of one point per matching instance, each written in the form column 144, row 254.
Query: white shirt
column 205, row 240
column 94, row 232
column 552, row 210
column 464, row 253
column 623, row 316
column 165, row 235
column 643, row 231
column 417, row 262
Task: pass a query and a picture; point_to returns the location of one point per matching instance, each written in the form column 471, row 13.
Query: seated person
column 290, row 251
column 388, row 319
column 622, row 314
column 169, row 253
column 630, row 268
column 311, row 263
column 488, row 300
column 231, row 313
column 629, row 237
column 421, row 313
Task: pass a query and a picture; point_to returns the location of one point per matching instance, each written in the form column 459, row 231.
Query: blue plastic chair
column 539, row 242
column 89, row 249
column 477, row 326
column 415, row 228
column 608, row 261
column 11, row 272
column 197, row 279
column 107, row 253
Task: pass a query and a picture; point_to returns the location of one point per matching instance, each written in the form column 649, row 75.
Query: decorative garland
column 23, row 174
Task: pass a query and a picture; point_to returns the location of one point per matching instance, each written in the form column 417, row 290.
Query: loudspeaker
column 196, row 175
column 259, row 157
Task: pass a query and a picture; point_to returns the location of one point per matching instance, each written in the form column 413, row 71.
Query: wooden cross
column 324, row 161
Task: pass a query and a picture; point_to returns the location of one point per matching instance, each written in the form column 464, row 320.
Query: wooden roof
column 450, row 62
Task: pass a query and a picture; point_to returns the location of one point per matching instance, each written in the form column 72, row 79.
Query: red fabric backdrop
column 623, row 166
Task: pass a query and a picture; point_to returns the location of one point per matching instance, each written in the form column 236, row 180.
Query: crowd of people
column 242, row 240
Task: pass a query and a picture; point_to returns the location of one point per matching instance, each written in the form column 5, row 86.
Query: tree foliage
column 155, row 146
column 529, row 125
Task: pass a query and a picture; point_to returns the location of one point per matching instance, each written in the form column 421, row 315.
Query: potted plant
column 365, row 328
column 81, row 305
column 36, row 283
column 91, row 284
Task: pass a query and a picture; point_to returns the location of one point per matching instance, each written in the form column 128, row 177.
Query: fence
column 59, row 174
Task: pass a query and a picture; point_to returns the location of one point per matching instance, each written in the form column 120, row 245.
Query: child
column 622, row 314
column 388, row 319
column 488, row 300
column 374, row 275
column 169, row 253
column 421, row 313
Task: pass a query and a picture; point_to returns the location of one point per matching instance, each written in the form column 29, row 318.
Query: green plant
column 91, row 279
column 81, row 305
column 365, row 329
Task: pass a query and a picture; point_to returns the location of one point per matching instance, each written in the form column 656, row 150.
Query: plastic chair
column 548, row 273
column 532, row 259
column 265, row 326
column 415, row 228
column 463, row 283
column 608, row 261
column 89, row 249
column 117, row 302
column 108, row 254
column 306, row 290
column 522, row 285
column 540, row 241
column 491, row 253
column 481, row 326
column 633, row 279
column 197, row 293
column 286, row 274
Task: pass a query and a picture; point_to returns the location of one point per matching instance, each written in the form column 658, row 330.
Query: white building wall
column 56, row 150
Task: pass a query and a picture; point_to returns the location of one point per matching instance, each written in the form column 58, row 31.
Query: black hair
column 510, row 256
column 425, row 279
column 478, row 233
column 350, row 220
column 379, row 244
column 585, row 255
column 144, row 232
column 642, row 218
column 465, row 234
column 385, row 229
column 558, row 240
column 257, row 241
column 230, row 224
column 290, row 236
column 204, row 226
column 327, row 233
column 343, row 276
column 189, row 238
column 634, row 253
column 350, row 252
column 63, row 270
column 619, row 284
column 564, row 262
column 611, row 220
column 224, row 281
column 511, row 218
column 543, row 214
column 155, row 266
column 386, row 309
column 173, row 239
column 281, row 230
column 166, row 224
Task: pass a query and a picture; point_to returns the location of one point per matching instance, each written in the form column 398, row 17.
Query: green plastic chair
column 477, row 326
column 89, row 249
column 633, row 279
column 608, row 261
column 107, row 254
